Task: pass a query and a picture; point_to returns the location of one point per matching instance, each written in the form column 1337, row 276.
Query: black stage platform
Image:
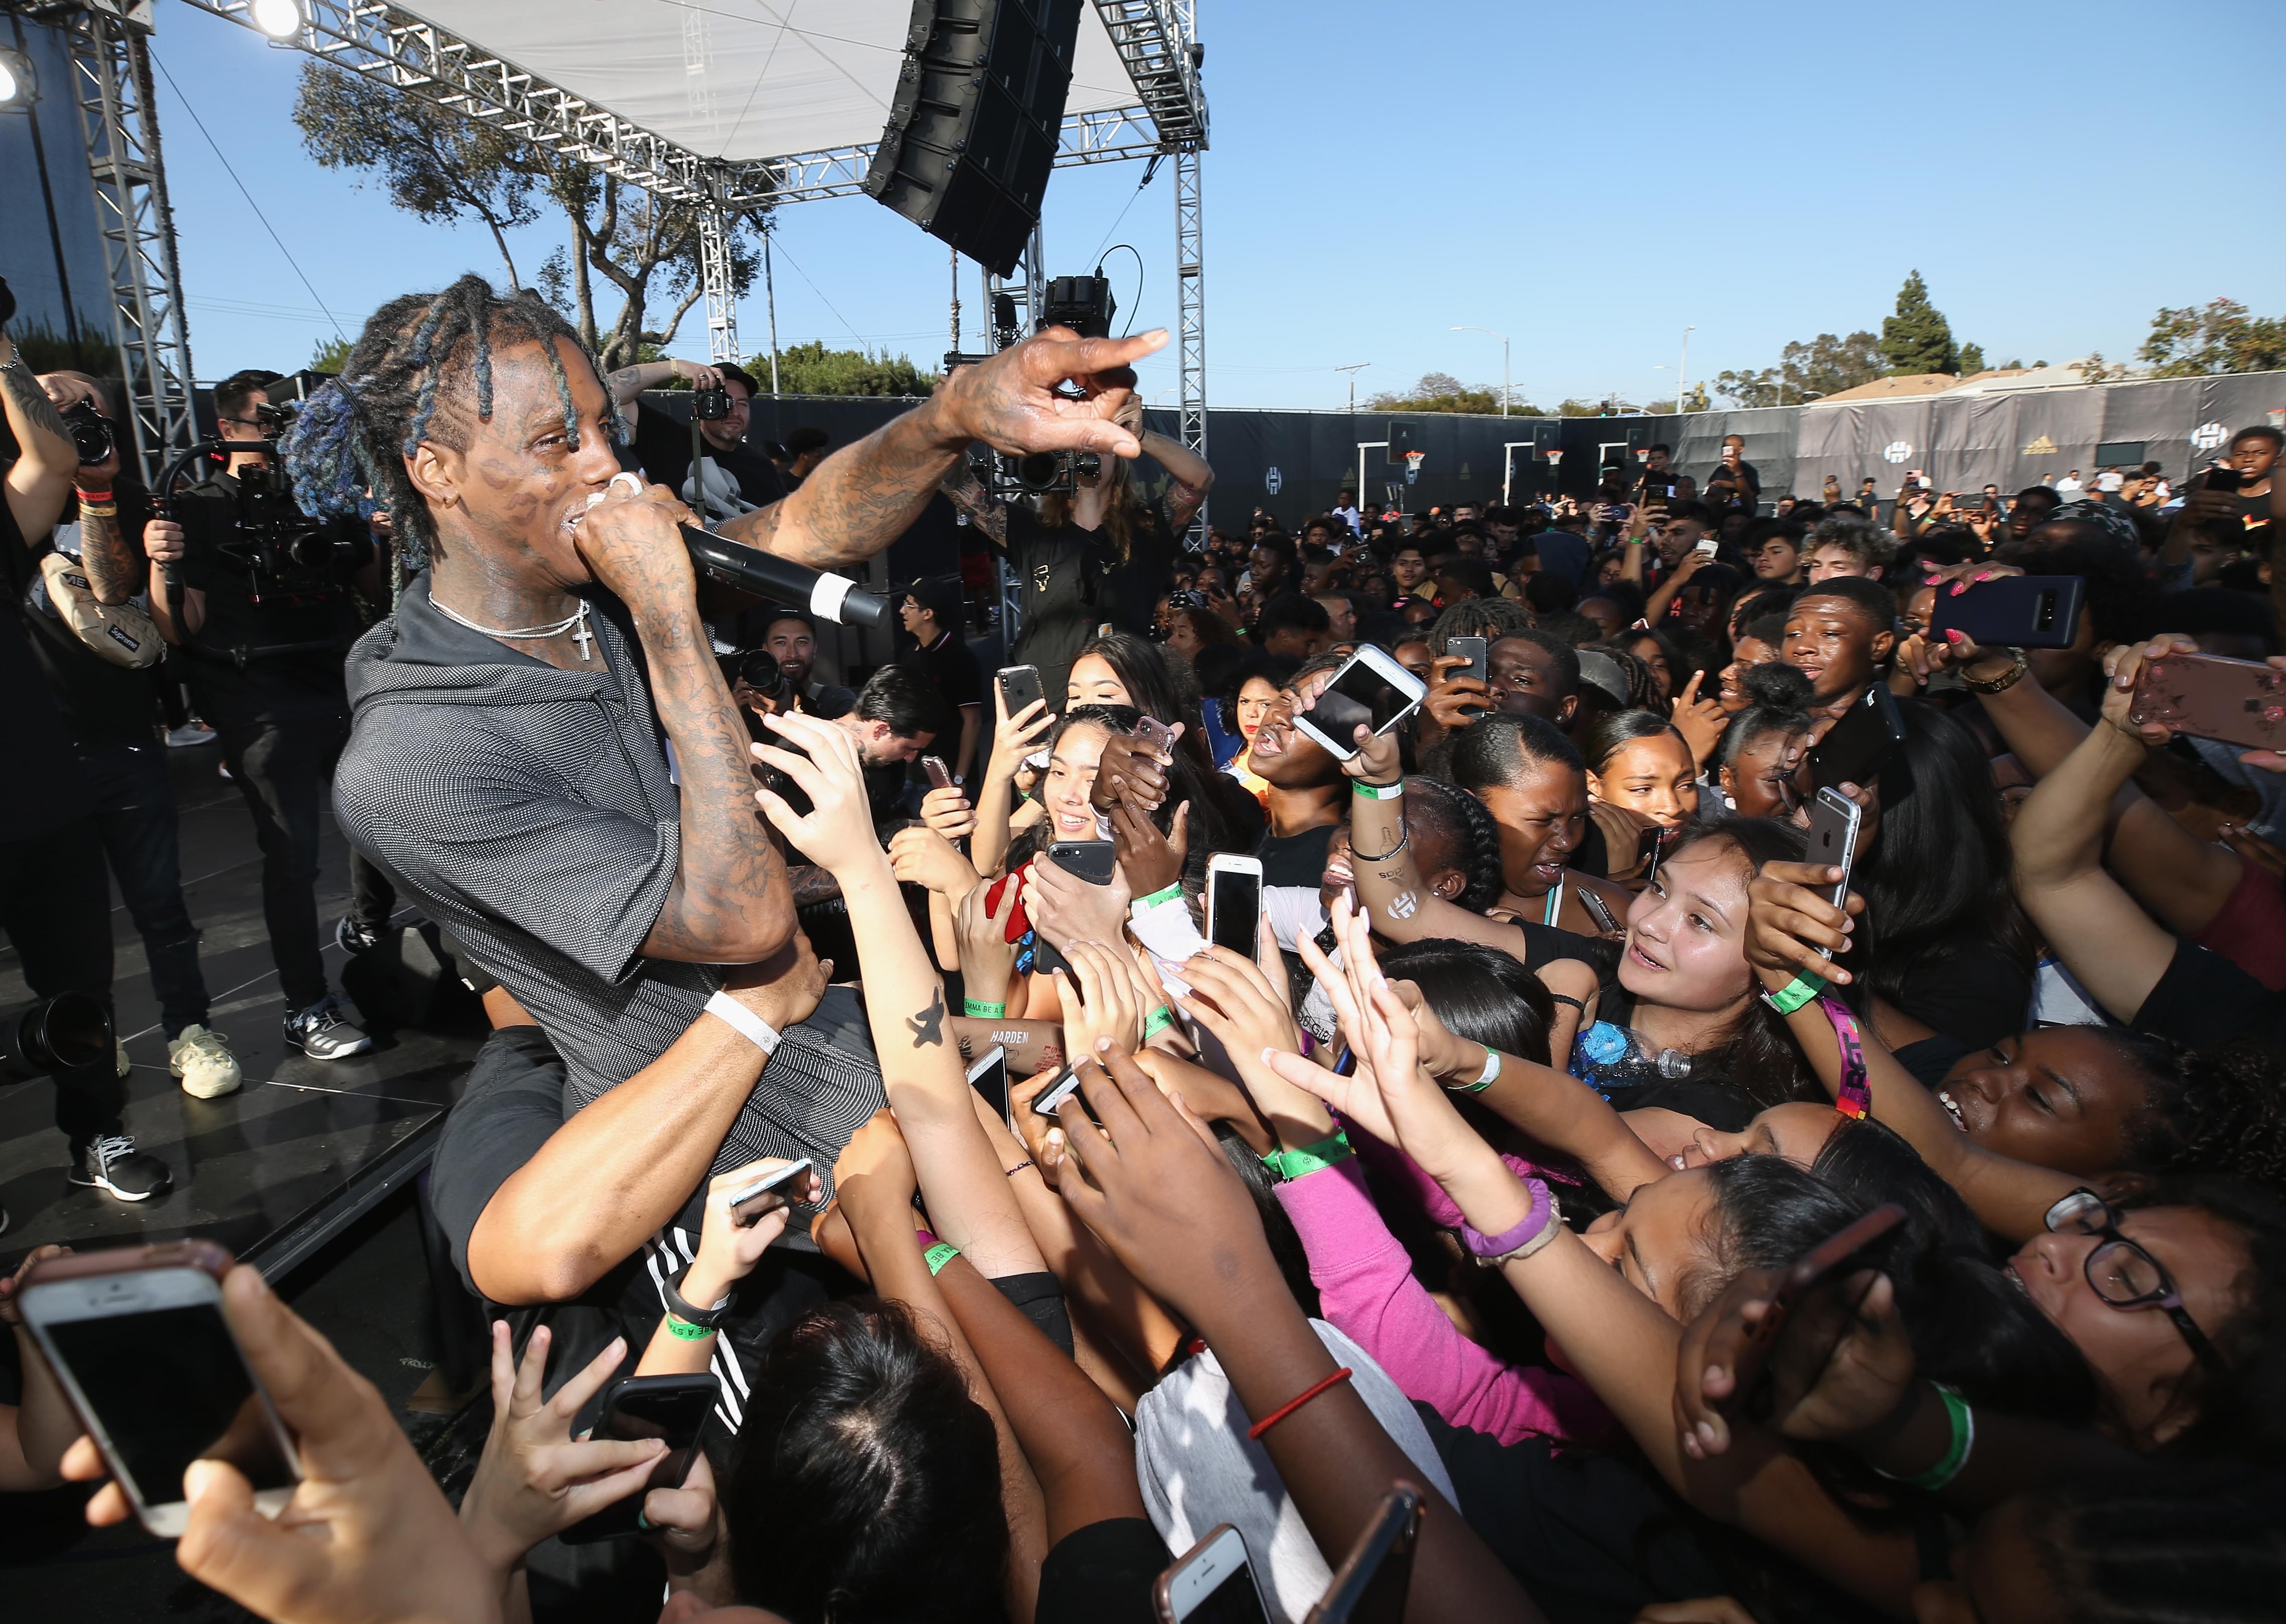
column 275, row 1169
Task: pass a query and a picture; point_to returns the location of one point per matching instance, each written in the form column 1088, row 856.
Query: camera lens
column 1038, row 472
column 1086, row 464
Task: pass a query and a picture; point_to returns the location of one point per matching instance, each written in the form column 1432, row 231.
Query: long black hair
column 1939, row 878
column 1434, row 807
column 866, row 1484
column 1480, row 993
column 404, row 383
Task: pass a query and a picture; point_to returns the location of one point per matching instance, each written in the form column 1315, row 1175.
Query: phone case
column 205, row 1255
column 1090, row 860
column 2021, row 612
column 2232, row 701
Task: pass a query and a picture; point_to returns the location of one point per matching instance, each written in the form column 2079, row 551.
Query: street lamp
column 1503, row 338
column 1682, row 375
column 1353, row 372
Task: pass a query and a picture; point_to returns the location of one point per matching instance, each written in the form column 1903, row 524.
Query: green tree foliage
column 1571, row 406
column 1824, row 365
column 1441, row 391
column 2198, row 343
column 440, row 166
column 332, row 354
column 1972, row 359
column 813, row 369
column 1917, row 339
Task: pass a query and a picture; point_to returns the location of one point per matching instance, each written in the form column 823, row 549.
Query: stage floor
column 261, row 1169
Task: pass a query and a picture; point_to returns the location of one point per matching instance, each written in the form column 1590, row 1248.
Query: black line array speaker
column 974, row 127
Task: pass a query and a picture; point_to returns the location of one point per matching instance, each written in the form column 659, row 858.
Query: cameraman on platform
column 266, row 611
column 662, row 446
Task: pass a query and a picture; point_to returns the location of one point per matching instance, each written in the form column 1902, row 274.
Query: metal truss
column 1190, row 313
column 714, row 228
column 1155, row 41
column 111, row 83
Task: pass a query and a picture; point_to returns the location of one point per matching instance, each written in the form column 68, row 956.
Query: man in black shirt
column 265, row 611
column 931, row 613
column 662, row 446
column 1734, row 485
column 806, row 447
column 792, row 636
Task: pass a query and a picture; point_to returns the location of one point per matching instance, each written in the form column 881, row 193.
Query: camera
column 90, row 433
column 1084, row 304
column 710, row 405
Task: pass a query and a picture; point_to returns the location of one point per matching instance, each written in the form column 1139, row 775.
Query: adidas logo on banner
column 2042, row 447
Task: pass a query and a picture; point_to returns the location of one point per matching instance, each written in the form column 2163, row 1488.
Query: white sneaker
column 191, row 732
column 203, row 1060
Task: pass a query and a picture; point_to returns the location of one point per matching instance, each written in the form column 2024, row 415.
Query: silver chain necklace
column 576, row 623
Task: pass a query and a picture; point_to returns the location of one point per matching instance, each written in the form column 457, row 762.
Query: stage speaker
column 973, row 126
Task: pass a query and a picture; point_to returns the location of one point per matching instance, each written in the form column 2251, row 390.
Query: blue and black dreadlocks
column 346, row 451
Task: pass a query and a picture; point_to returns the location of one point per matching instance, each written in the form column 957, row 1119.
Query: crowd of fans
column 1482, row 1172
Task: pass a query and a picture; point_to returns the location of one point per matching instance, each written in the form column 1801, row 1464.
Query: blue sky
column 1589, row 180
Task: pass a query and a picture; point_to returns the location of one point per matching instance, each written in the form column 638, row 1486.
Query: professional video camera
column 1084, row 304
column 291, row 556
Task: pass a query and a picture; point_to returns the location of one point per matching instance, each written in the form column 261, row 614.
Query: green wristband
column 978, row 1010
column 1157, row 1022
column 1794, row 994
column 938, row 1256
column 1963, row 1421
column 1164, row 893
column 1290, row 1165
column 1377, row 792
column 685, row 1330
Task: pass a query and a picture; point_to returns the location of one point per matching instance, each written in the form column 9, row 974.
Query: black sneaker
column 354, row 938
column 323, row 1033
column 113, row 1165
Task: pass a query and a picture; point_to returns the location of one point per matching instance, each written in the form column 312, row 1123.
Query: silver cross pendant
column 581, row 636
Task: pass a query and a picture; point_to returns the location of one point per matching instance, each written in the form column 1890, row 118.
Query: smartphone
column 2023, row 612
column 1598, row 907
column 2237, row 702
column 1833, row 822
column 2219, row 478
column 1370, row 1586
column 1211, row 1583
column 1371, row 690
column 1826, row 1266
column 1470, row 649
column 1065, row 1087
column 1649, row 844
column 1091, row 861
column 673, row 1408
column 1234, row 903
column 136, row 1335
column 940, row 775
column 1856, row 749
column 750, row 1204
column 1020, row 685
column 1150, row 730
column 989, row 1076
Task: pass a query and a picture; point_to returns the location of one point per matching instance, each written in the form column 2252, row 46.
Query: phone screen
column 674, row 1413
column 1360, row 695
column 170, row 1387
column 990, row 1077
column 1233, row 1601
column 1237, row 909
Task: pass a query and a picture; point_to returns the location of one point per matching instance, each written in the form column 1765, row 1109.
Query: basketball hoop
column 1553, row 456
column 1413, row 462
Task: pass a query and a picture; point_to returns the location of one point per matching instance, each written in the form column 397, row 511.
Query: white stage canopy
column 737, row 80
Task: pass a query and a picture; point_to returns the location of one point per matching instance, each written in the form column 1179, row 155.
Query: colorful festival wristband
column 1307, row 1159
column 1855, row 1097
column 939, row 1255
column 977, row 1009
column 1157, row 1022
column 1794, row 994
column 1377, row 792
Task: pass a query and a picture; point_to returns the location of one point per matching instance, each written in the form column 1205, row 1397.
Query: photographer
column 264, row 609
column 662, row 446
column 54, row 905
column 97, row 647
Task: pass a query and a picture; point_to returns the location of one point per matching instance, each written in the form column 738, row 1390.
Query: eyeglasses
column 2124, row 1274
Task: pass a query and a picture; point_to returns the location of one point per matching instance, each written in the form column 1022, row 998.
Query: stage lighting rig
column 278, row 19
column 18, row 87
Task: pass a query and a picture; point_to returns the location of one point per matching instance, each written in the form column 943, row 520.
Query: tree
column 1571, row 406
column 1918, row 340
column 1441, row 391
column 2221, row 338
column 1824, row 365
column 331, row 355
column 813, row 369
column 1972, row 359
column 440, row 165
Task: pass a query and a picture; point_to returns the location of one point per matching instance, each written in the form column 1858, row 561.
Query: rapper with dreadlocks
column 507, row 760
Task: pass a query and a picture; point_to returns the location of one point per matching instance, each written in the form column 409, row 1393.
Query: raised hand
column 1151, row 861
column 927, row 858
column 949, row 813
column 1015, row 737
column 534, row 1478
column 1861, row 1381
column 1064, row 908
column 729, row 1251
column 1454, row 701
column 837, row 832
column 632, row 547
column 1101, row 999
column 1132, row 770
column 988, row 958
column 1701, row 721
column 1790, row 916
column 1011, row 402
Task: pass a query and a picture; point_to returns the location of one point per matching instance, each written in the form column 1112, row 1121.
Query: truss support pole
column 111, row 83
column 1191, row 315
column 714, row 229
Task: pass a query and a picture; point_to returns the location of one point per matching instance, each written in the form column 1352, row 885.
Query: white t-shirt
column 2068, row 485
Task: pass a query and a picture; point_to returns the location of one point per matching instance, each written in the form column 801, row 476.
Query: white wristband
column 760, row 1032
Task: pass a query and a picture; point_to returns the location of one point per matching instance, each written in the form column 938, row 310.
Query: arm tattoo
column 987, row 513
column 1182, row 503
column 625, row 383
column 23, row 389
column 927, row 1026
column 811, row 884
column 111, row 564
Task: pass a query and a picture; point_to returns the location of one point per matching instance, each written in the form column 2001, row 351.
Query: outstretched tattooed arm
column 39, row 482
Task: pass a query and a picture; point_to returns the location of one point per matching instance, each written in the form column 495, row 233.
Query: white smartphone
column 748, row 1215
column 136, row 1336
column 989, row 1076
column 1234, row 902
column 1045, row 1102
column 1707, row 547
column 1833, row 840
column 1371, row 690
column 1212, row 1584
